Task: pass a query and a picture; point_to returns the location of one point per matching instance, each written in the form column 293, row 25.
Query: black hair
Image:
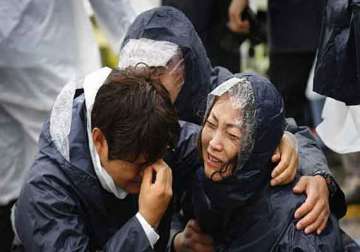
column 135, row 113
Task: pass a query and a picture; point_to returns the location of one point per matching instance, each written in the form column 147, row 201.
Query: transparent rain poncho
column 242, row 97
column 152, row 53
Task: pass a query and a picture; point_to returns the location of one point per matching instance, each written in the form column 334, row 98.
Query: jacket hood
column 263, row 125
column 170, row 24
column 69, row 129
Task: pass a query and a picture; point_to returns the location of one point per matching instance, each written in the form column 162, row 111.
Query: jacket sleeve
column 310, row 154
column 296, row 240
column 184, row 159
column 131, row 237
column 176, row 227
column 312, row 161
column 47, row 218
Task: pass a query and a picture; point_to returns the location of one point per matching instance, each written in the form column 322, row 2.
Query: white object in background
column 309, row 93
column 43, row 45
column 144, row 5
column 340, row 129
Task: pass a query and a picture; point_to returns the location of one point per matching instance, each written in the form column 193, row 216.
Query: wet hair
column 135, row 114
column 223, row 169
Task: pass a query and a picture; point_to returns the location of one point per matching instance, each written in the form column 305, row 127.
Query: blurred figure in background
column 43, row 44
column 294, row 31
column 294, row 34
column 210, row 18
column 337, row 76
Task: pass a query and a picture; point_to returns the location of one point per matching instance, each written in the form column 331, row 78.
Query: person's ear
column 100, row 143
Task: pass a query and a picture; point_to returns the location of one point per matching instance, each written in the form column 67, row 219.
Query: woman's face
column 221, row 138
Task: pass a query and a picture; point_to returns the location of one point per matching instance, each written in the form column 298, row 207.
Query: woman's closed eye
column 211, row 125
column 233, row 136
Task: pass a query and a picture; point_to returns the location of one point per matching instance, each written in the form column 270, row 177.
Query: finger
column 283, row 178
column 157, row 166
column 280, row 168
column 295, row 164
column 323, row 225
column 310, row 217
column 306, row 207
column 316, row 224
column 285, row 159
column 162, row 174
column 288, row 174
column 276, row 155
column 147, row 177
column 300, row 187
column 293, row 167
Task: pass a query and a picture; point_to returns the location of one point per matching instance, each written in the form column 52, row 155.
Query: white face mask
column 92, row 83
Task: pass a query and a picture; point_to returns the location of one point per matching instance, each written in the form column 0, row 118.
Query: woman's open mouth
column 213, row 162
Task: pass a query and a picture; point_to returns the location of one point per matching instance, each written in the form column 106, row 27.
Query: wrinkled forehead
column 224, row 110
column 150, row 52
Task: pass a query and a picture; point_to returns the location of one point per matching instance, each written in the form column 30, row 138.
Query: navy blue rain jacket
column 62, row 206
column 337, row 72
column 243, row 212
column 170, row 24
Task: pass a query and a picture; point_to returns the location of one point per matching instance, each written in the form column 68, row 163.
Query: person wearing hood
column 164, row 35
column 99, row 181
column 231, row 198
